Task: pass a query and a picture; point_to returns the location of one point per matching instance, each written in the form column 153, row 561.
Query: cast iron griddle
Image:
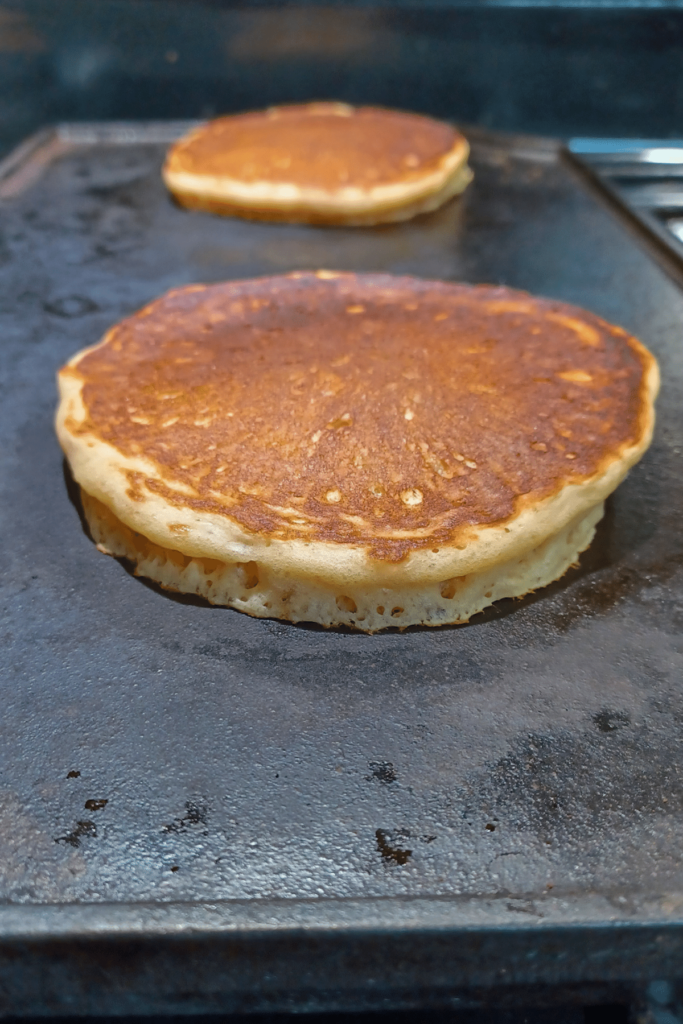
column 200, row 810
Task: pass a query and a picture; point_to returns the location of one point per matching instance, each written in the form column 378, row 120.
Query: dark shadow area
column 608, row 1014
column 74, row 494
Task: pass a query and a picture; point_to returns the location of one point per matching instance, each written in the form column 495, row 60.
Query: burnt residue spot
column 522, row 907
column 611, row 721
column 95, row 805
column 175, row 868
column 490, row 827
column 82, row 829
column 391, row 853
column 195, row 814
column 70, row 306
column 73, row 774
column 560, row 785
column 382, row 771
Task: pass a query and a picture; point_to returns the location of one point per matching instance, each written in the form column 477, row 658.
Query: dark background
column 547, row 69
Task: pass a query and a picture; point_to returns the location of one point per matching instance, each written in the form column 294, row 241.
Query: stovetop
column 645, row 178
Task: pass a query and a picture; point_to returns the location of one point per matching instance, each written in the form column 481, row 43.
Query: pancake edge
column 247, row 588
column 98, row 467
column 351, row 206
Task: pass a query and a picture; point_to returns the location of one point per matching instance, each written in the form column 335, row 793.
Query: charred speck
column 83, row 828
column 175, row 868
column 610, row 721
column 523, row 907
column 490, row 827
column 95, row 805
column 383, row 771
column 391, row 853
column 195, row 815
column 73, row 775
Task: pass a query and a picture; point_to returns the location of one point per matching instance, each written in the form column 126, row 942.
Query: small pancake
column 319, row 163
column 353, row 449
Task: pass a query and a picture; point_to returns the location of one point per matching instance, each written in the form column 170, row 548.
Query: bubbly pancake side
column 319, row 162
column 358, row 430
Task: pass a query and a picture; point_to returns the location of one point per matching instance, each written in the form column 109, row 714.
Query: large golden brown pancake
column 336, row 444
column 325, row 163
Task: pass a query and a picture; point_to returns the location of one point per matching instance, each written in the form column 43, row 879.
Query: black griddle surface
column 171, row 769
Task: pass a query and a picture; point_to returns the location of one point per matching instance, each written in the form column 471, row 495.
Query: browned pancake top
column 320, row 145
column 384, row 411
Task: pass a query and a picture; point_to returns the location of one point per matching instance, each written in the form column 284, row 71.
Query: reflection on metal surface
column 663, row 155
column 628, row 151
column 643, row 175
column 675, row 225
column 122, row 133
column 652, row 195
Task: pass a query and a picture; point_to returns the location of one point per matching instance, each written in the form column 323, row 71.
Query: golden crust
column 356, row 428
column 324, row 163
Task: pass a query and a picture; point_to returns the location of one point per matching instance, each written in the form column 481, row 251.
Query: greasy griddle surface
column 157, row 749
